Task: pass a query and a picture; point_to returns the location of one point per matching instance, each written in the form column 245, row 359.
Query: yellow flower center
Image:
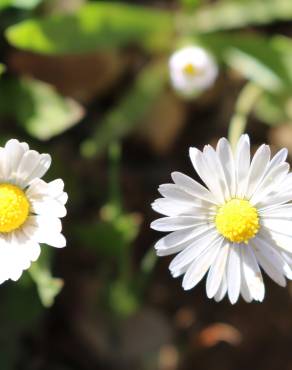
column 190, row 70
column 237, row 220
column 14, row 208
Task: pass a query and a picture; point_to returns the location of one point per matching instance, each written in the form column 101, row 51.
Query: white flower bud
column 192, row 70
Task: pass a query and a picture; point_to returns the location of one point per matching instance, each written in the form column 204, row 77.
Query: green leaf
column 22, row 4
column 2, row 68
column 224, row 15
column 38, row 107
column 111, row 236
column 96, row 25
column 254, row 56
column 48, row 286
column 274, row 109
column 130, row 111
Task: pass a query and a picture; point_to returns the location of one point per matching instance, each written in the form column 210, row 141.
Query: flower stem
column 244, row 104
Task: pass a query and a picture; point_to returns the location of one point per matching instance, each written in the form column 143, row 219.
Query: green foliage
column 129, row 112
column 112, row 236
column 2, row 69
column 40, row 109
column 20, row 311
column 48, row 287
column 224, row 15
column 256, row 57
column 96, row 25
column 22, row 4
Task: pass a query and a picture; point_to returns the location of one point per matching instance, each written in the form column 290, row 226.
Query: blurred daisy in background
column 30, row 208
column 239, row 222
column 192, row 70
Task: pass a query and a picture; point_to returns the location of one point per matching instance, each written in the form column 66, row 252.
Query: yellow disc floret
column 237, row 220
column 14, row 207
column 190, row 70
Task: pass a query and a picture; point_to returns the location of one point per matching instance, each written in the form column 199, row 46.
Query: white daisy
column 239, row 222
column 192, row 70
column 30, row 208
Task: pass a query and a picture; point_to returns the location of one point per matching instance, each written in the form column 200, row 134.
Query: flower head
column 237, row 225
column 30, row 208
column 192, row 70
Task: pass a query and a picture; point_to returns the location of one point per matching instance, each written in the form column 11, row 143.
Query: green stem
column 244, row 105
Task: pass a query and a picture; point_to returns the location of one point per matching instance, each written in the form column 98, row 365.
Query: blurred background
column 88, row 82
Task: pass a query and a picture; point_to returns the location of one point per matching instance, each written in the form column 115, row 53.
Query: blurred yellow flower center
column 237, row 220
column 190, row 70
column 14, row 208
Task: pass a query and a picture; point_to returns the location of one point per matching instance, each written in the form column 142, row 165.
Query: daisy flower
column 30, row 208
column 192, row 70
column 235, row 227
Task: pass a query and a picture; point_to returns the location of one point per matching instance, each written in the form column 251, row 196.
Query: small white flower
column 239, row 222
column 192, row 70
column 30, row 208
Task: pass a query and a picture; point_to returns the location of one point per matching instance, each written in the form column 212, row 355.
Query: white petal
column 14, row 152
column 282, row 241
column 45, row 230
column 278, row 158
column 200, row 266
column 283, row 211
column 233, row 273
column 242, row 163
column 267, row 262
column 244, row 289
column 48, row 207
column 168, row 207
column 217, row 270
column 257, row 169
column 222, row 289
column 175, row 193
column 270, row 182
column 226, row 158
column 203, row 171
column 32, row 165
column 252, row 274
column 181, row 236
column 277, row 225
column 275, row 199
column 215, row 167
column 190, row 253
column 192, row 187
column 177, row 223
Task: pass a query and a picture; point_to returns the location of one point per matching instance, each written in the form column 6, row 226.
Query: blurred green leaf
column 94, row 26
column 254, row 56
column 274, row 109
column 122, row 299
column 223, row 15
column 38, row 107
column 130, row 111
column 48, row 287
column 2, row 68
column 22, row 4
column 111, row 236
column 190, row 4
column 20, row 313
column 4, row 4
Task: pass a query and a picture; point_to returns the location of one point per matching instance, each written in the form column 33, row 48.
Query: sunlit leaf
column 38, row 107
column 22, row 4
column 254, row 56
column 223, row 15
column 95, row 25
